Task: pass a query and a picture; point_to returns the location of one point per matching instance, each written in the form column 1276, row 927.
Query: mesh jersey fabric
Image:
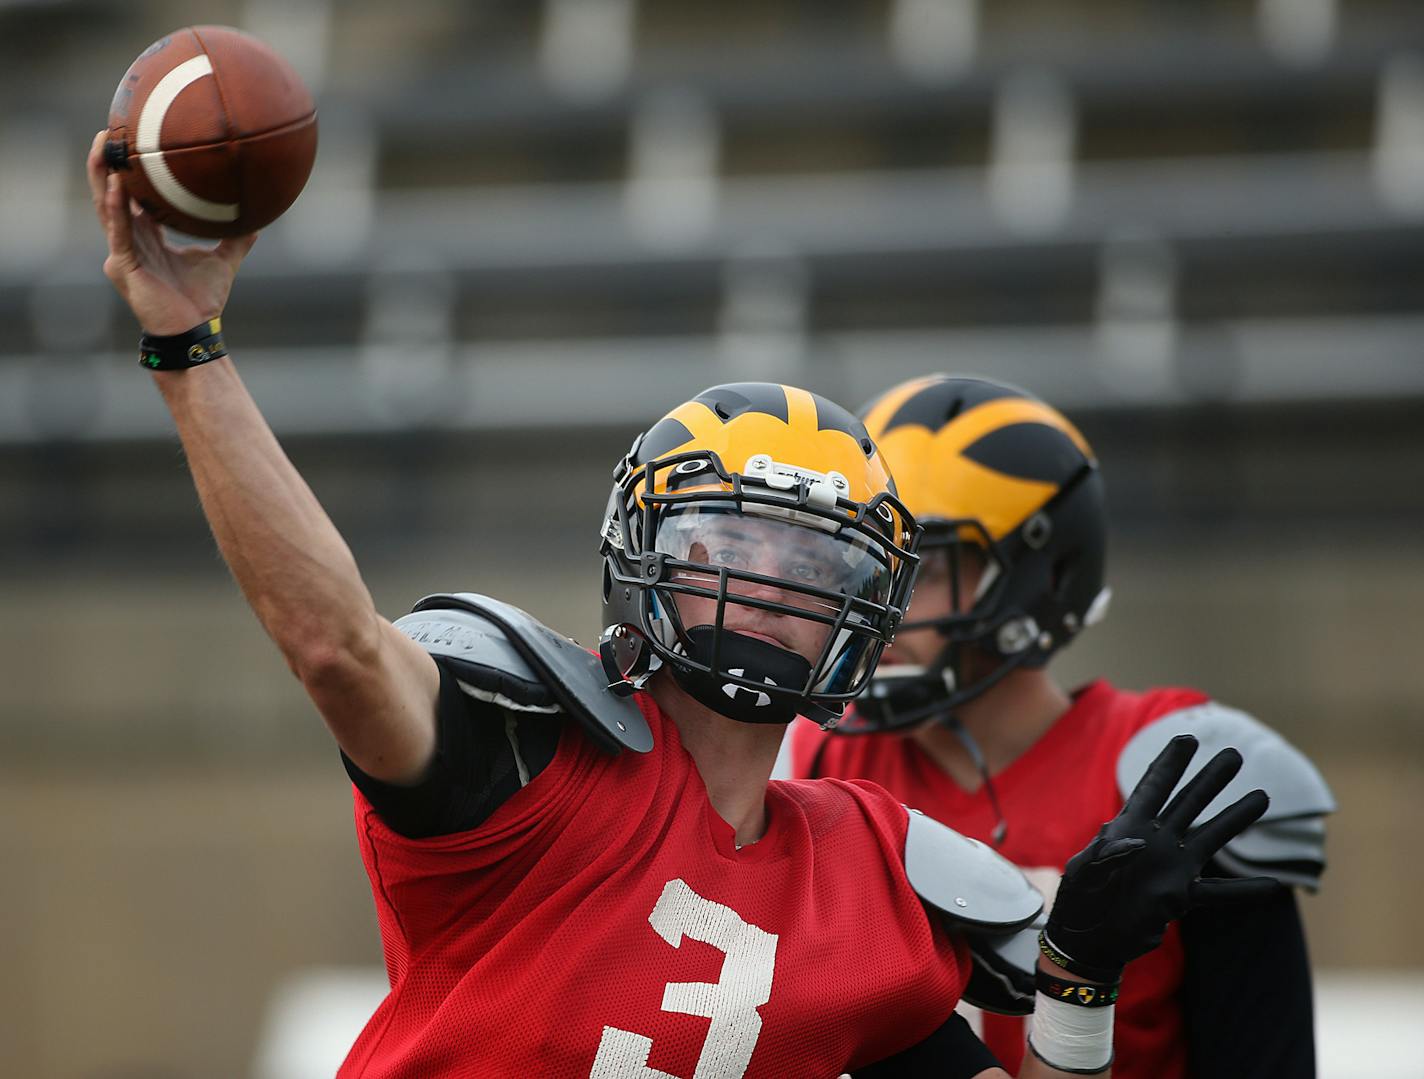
column 1078, row 756
column 603, row 923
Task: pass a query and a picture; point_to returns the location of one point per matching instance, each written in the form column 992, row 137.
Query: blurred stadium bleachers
column 1196, row 225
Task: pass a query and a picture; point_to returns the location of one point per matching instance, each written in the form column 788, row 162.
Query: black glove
column 1141, row 870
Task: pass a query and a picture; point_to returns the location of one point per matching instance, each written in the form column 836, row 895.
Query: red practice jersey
column 1054, row 799
column 604, row 923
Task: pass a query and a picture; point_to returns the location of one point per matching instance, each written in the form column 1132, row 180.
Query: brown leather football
column 212, row 132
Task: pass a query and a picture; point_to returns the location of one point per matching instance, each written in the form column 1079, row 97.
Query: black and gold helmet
column 994, row 474
column 755, row 546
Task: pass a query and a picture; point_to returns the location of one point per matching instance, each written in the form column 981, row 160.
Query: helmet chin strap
column 971, row 746
column 746, row 658
column 910, row 695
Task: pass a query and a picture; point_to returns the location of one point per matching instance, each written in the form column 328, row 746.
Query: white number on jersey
column 731, row 1003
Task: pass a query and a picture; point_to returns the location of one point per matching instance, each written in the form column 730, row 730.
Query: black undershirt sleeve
column 951, row 1052
column 1246, row 993
column 475, row 769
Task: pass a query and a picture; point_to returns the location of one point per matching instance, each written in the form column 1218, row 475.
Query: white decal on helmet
column 1098, row 609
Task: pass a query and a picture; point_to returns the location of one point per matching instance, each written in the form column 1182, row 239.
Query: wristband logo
column 1086, row 996
column 205, row 351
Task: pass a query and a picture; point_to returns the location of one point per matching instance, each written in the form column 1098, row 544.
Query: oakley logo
column 741, row 692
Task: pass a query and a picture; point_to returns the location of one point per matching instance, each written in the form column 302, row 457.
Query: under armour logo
column 733, row 691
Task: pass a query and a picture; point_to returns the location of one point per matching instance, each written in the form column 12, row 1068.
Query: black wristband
column 202, row 344
column 1079, row 994
column 1100, row 975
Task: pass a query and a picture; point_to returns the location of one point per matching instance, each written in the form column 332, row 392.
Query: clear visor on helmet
column 794, row 579
column 962, row 574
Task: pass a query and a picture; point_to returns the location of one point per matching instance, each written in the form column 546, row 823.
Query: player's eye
column 726, row 556
column 807, row 571
column 812, row 570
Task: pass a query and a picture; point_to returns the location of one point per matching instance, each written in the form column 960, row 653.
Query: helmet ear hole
column 1061, row 574
column 607, row 583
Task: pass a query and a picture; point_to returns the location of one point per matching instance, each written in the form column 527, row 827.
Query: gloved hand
column 1142, row 870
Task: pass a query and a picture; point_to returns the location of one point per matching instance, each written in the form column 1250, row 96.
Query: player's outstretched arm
column 374, row 687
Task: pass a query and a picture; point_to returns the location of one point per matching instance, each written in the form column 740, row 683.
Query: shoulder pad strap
column 985, row 898
column 1288, row 842
column 503, row 654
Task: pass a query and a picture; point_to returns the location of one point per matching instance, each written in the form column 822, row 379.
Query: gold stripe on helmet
column 798, row 441
column 938, row 486
column 882, row 410
column 801, row 409
column 973, row 424
column 937, row 482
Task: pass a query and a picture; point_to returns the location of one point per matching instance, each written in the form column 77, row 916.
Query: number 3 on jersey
column 731, row 1003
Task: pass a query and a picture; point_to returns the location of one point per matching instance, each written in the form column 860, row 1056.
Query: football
column 212, row 132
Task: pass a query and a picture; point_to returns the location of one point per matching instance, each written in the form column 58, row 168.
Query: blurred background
column 1197, row 227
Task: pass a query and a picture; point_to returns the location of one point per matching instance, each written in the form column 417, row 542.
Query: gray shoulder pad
column 485, row 663
column 984, row 898
column 1002, row 980
column 502, row 654
column 974, row 887
column 1288, row 842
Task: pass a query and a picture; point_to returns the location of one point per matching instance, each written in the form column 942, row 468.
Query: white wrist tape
column 1070, row 1038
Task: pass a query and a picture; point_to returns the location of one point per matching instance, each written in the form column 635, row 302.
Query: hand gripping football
column 212, row 132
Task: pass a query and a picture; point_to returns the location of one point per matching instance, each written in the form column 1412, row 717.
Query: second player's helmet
column 995, row 476
column 755, row 546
